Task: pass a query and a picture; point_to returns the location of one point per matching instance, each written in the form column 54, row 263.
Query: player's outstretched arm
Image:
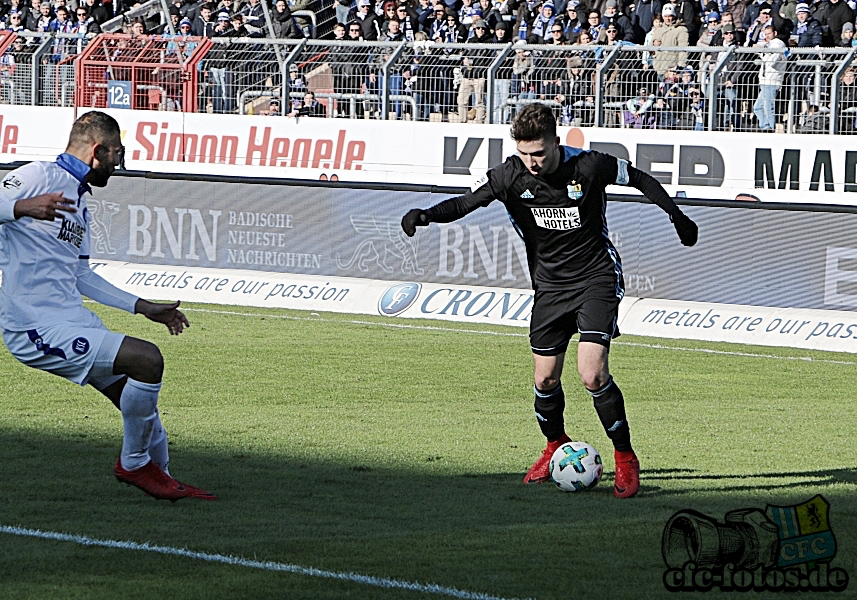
column 687, row 230
column 448, row 210
column 45, row 207
column 168, row 314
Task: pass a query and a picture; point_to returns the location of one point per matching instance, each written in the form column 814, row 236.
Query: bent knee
column 545, row 383
column 140, row 360
column 152, row 362
column 594, row 380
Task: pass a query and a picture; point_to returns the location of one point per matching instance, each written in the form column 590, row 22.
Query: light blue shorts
column 83, row 352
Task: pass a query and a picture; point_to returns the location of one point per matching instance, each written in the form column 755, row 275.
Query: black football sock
column 610, row 406
column 550, row 405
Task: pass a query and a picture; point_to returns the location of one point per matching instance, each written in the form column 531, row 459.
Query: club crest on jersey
column 574, row 191
column 71, row 232
column 80, row 345
column 561, row 219
column 12, row 182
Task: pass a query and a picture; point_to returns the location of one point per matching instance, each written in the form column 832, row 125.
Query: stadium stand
column 647, row 65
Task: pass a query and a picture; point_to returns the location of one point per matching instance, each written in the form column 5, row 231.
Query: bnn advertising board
column 772, row 258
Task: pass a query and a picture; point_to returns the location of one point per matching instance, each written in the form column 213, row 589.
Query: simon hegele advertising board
column 781, row 168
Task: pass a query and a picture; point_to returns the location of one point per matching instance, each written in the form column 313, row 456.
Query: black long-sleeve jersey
column 561, row 216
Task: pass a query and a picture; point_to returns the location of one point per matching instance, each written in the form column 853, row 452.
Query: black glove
column 687, row 230
column 416, row 217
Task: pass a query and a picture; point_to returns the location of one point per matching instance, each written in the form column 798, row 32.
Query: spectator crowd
column 652, row 87
column 787, row 60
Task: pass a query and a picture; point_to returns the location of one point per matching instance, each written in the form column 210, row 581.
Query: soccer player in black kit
column 555, row 196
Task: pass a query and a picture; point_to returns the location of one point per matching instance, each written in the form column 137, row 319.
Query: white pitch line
column 426, row 588
column 733, row 353
column 505, row 334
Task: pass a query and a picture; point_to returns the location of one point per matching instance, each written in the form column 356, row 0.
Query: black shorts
column 557, row 315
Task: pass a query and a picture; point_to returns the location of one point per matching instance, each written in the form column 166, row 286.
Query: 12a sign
column 118, row 94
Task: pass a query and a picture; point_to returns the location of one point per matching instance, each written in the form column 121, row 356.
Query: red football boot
column 540, row 471
column 197, row 493
column 627, row 480
column 158, row 484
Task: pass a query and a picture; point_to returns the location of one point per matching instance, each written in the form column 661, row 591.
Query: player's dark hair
column 535, row 121
column 93, row 128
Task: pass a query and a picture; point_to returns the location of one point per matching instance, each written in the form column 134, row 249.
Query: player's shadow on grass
column 272, row 501
column 751, row 482
column 65, row 483
column 486, row 532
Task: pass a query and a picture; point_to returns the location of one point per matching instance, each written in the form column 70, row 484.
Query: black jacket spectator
column 203, row 25
column 310, row 107
column 409, row 21
column 99, row 12
column 848, row 102
column 428, row 19
column 490, row 15
column 283, row 21
column 370, row 23
column 809, row 33
column 644, row 12
column 254, row 17
column 456, row 33
column 623, row 24
column 819, row 9
column 687, row 13
column 236, row 28
column 87, row 27
column 481, row 36
column 838, row 14
column 753, row 10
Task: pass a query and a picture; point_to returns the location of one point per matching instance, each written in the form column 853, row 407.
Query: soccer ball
column 576, row 467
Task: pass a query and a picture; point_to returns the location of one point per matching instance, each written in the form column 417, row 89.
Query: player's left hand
column 687, row 230
column 168, row 314
column 414, row 218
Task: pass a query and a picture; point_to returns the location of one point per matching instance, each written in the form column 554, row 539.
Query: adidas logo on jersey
column 527, row 194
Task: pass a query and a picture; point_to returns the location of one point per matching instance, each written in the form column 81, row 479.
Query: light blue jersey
column 45, row 264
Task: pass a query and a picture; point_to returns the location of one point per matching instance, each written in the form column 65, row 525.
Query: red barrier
column 161, row 71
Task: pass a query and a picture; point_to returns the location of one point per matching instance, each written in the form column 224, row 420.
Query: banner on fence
column 764, row 326
column 318, row 293
column 722, row 166
column 795, row 259
column 797, row 328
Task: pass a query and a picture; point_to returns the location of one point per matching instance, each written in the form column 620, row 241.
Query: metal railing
column 726, row 89
column 55, row 63
column 145, row 11
column 810, row 90
column 313, row 19
column 38, row 68
column 698, row 89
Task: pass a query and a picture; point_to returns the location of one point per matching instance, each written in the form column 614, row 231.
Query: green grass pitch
column 395, row 449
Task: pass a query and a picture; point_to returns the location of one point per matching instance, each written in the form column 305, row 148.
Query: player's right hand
column 168, row 314
column 46, row 207
column 415, row 218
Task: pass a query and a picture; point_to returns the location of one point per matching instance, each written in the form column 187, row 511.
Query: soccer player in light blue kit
column 45, row 263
